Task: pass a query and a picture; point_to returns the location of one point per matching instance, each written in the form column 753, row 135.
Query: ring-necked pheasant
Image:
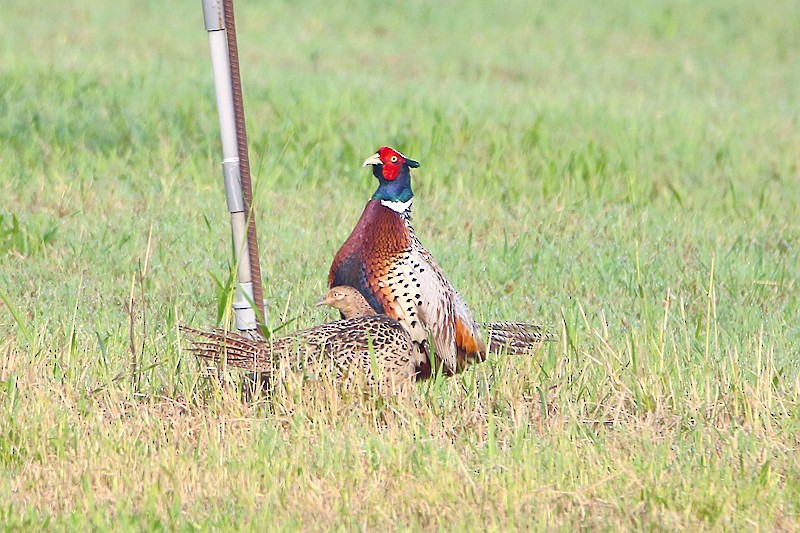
column 511, row 337
column 385, row 261
column 375, row 348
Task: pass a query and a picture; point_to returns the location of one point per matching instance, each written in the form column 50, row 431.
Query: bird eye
column 394, row 159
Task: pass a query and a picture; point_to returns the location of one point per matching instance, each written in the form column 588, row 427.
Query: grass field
column 627, row 174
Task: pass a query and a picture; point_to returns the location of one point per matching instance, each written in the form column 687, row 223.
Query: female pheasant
column 511, row 337
column 375, row 348
column 385, row 261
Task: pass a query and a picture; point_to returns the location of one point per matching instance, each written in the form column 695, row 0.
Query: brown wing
column 469, row 345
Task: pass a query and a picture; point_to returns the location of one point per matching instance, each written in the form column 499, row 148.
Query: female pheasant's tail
column 220, row 345
column 516, row 337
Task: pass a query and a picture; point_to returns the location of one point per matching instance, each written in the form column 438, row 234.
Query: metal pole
column 233, row 147
column 244, row 158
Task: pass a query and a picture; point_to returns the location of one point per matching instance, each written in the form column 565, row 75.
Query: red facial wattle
column 392, row 170
column 392, row 162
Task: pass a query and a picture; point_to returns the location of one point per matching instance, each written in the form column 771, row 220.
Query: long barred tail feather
column 235, row 350
column 516, row 337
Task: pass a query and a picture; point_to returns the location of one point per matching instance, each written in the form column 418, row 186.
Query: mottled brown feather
column 348, row 347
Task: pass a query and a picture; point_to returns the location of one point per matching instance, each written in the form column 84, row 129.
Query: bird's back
column 376, row 347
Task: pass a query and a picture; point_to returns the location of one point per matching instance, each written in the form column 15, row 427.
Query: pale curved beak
column 322, row 302
column 374, row 159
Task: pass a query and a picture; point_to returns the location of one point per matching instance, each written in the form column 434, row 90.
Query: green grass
column 626, row 174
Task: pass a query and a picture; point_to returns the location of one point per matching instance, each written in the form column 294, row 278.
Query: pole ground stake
column 218, row 16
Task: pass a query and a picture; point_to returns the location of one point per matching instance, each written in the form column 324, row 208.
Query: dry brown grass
column 482, row 450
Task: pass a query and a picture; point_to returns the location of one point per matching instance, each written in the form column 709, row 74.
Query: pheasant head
column 394, row 178
column 348, row 301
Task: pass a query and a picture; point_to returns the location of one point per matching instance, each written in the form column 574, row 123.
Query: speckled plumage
column 375, row 347
column 385, row 261
column 511, row 337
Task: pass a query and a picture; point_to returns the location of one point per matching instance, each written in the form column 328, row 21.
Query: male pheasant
column 385, row 261
column 511, row 337
column 375, row 348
